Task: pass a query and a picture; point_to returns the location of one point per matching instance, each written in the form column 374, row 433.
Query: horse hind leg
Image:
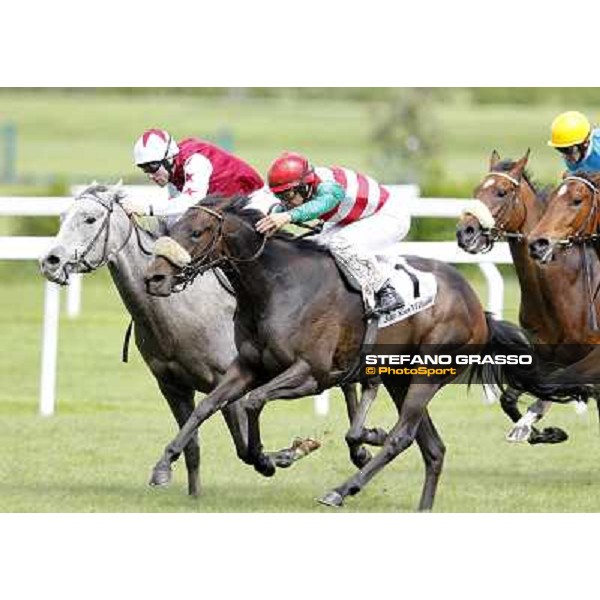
column 411, row 404
column 433, row 451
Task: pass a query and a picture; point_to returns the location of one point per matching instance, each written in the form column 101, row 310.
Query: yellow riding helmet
column 568, row 129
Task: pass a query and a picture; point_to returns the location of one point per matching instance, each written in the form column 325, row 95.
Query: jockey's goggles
column 151, row 167
column 575, row 153
column 303, row 189
column 287, row 195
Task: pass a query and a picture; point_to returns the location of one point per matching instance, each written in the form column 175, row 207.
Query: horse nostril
column 52, row 260
column 539, row 246
column 158, row 278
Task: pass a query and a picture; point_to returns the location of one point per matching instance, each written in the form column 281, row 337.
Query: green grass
column 112, row 423
column 95, row 455
column 87, row 136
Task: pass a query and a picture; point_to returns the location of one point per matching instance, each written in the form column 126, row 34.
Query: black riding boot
column 388, row 299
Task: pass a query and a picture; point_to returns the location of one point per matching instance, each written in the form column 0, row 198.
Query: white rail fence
column 31, row 248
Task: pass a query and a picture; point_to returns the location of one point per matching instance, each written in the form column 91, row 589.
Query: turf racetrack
column 96, row 453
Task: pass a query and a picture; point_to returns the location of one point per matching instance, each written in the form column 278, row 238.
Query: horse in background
column 552, row 311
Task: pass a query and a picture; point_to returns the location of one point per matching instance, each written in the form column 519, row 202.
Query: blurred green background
column 439, row 138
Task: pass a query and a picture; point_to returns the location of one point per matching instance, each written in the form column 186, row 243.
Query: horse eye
column 501, row 193
column 90, row 220
column 196, row 234
column 576, row 201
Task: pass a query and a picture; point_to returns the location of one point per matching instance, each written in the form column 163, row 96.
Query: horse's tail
column 506, row 338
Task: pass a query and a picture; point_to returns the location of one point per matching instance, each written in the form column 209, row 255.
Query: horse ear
column 118, row 191
column 520, row 165
column 494, row 159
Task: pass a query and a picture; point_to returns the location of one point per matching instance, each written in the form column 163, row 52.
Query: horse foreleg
column 181, row 403
column 524, row 431
column 508, row 403
column 236, row 382
column 402, row 435
column 294, row 382
column 237, row 423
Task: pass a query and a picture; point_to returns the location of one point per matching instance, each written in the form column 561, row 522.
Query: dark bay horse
column 552, row 309
column 299, row 328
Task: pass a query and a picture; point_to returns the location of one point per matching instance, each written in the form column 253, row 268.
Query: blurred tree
column 407, row 136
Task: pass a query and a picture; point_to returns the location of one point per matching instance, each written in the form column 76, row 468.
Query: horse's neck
column 127, row 270
column 534, row 207
column 537, row 310
column 565, row 283
column 280, row 268
column 525, row 266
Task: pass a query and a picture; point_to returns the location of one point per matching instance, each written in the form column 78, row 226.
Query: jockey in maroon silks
column 191, row 170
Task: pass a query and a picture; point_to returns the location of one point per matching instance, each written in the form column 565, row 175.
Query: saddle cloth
column 417, row 288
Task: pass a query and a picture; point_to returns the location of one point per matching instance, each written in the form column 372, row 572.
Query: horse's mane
column 238, row 206
column 98, row 191
column 542, row 191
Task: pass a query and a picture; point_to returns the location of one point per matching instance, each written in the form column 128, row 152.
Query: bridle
column 588, row 232
column 206, row 260
column 81, row 259
column 499, row 231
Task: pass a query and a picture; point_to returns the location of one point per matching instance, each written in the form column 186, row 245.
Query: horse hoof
column 161, row 477
column 333, row 499
column 265, row 466
column 549, row 435
column 519, row 434
column 284, row 458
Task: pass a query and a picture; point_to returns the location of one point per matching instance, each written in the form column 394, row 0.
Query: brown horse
column 299, row 329
column 552, row 309
column 570, row 225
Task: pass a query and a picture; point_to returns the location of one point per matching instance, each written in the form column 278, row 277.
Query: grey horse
column 186, row 340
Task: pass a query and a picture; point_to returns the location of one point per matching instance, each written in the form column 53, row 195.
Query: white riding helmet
column 154, row 145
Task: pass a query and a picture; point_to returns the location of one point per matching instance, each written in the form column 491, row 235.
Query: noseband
column 499, row 232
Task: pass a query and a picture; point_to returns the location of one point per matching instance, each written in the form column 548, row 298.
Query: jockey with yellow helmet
column 579, row 144
column 191, row 169
column 362, row 218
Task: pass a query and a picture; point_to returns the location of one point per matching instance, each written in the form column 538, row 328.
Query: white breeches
column 354, row 246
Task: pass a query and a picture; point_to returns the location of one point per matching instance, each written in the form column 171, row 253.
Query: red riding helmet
column 290, row 170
